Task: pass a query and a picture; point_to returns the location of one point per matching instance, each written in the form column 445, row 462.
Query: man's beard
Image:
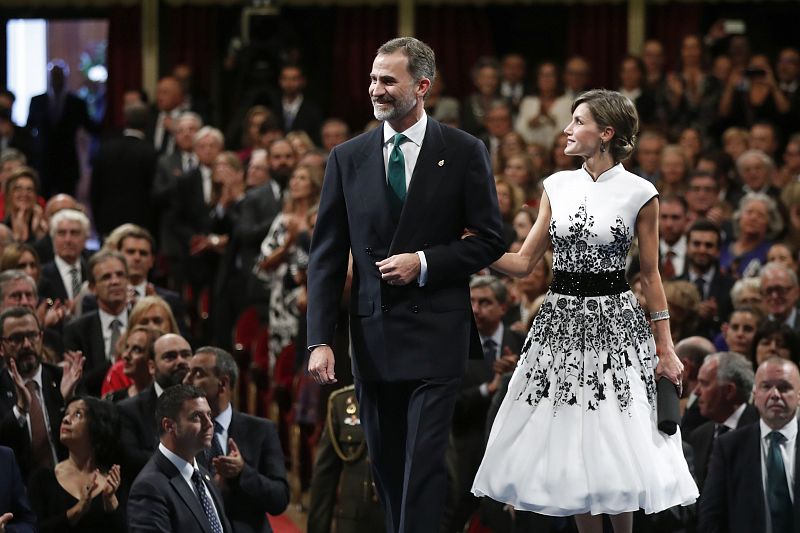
column 175, row 378
column 281, row 175
column 398, row 109
column 26, row 364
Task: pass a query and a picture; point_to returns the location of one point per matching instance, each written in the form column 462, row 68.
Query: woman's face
column 155, row 317
column 75, row 424
column 522, row 225
column 300, row 148
column 504, row 199
column 252, row 128
column 690, row 142
column 23, row 193
column 487, row 80
column 751, row 297
column 772, row 346
column 512, row 144
column 735, row 145
column 691, row 51
column 673, row 168
column 741, row 331
column 27, row 263
column 547, row 79
column 300, row 186
column 755, row 218
column 135, row 355
column 779, row 253
column 583, row 134
column 517, row 173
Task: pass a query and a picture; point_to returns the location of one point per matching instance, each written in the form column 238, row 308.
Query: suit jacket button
column 368, row 251
column 414, row 308
column 385, row 308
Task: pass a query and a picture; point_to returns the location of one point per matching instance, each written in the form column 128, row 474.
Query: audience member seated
column 16, row 515
column 486, row 84
column 692, row 352
column 32, row 392
column 540, row 119
column 136, row 354
column 253, row 119
column 19, row 289
column 780, row 292
column 683, row 301
column 755, row 170
column 773, row 339
column 333, row 132
column 24, row 215
column 80, row 493
column 97, row 333
column 648, row 155
column 672, row 224
column 739, row 331
column 752, row 94
column 755, row 224
column 63, row 277
column 21, row 257
column 245, row 456
column 782, row 254
column 173, row 492
column 673, row 171
column 509, row 200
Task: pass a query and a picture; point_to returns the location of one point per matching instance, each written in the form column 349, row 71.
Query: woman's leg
column 623, row 522
column 588, row 523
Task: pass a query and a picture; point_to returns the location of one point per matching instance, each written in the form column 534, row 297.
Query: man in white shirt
column 752, row 479
column 62, row 278
column 672, row 222
column 170, row 103
column 172, row 492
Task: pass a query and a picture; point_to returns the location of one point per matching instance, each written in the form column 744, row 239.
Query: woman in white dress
column 577, row 431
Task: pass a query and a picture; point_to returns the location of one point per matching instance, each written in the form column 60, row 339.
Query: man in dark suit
column 173, row 492
column 497, row 124
column 13, row 136
column 703, row 242
column 724, row 383
column 16, row 515
column 61, row 279
column 501, row 348
column 245, row 454
column 97, row 333
column 32, row 393
column 692, row 352
column 53, row 119
column 780, row 292
column 139, row 430
column 753, row 468
column 295, row 111
column 122, row 177
column 412, row 328
column 170, row 103
column 755, row 170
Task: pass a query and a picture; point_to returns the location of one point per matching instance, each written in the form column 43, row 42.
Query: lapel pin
column 441, row 163
column 208, row 478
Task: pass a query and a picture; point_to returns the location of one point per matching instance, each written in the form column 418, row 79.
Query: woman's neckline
column 603, row 175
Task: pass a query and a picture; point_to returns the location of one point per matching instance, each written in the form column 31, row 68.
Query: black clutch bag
column 668, row 406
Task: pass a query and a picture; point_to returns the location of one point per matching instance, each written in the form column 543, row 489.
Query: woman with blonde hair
column 673, row 171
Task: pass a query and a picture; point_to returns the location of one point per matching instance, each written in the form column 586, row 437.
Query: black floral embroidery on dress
column 580, row 349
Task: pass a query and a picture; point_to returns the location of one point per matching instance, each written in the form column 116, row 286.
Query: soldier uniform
column 341, row 488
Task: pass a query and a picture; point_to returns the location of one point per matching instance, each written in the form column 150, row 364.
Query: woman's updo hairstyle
column 611, row 109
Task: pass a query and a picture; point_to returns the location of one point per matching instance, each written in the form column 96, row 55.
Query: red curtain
column 600, row 34
column 190, row 35
column 358, row 34
column 124, row 59
column 669, row 23
column 459, row 35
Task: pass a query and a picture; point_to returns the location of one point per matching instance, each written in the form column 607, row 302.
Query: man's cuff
column 22, row 418
column 311, row 348
column 422, row 279
column 484, row 390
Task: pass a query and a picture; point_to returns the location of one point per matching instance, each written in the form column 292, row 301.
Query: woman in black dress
column 80, row 494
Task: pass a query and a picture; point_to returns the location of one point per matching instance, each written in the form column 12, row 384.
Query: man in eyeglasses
column 780, row 293
column 32, row 392
column 139, row 435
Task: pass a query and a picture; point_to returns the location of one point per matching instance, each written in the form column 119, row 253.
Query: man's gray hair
column 190, row 115
column 775, row 268
column 72, row 215
column 737, row 369
column 13, row 274
column 225, row 364
column 763, row 158
column 497, row 287
column 208, row 131
column 775, row 225
column 421, row 59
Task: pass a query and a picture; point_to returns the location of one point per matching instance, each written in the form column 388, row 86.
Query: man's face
column 185, row 131
column 168, row 94
column 702, row 249
column 257, row 170
column 576, row 74
column 776, row 393
column 18, row 293
column 498, row 121
column 172, row 354
column 791, row 156
column 139, row 256
column 291, row 81
column 629, row 74
column 207, row 149
column 672, row 222
column 203, row 375
column 763, row 138
column 392, row 89
column 110, row 283
column 487, row 310
column 780, row 294
column 22, row 341
column 194, row 428
column 69, row 240
column 653, row 56
column 282, row 161
column 333, row 134
column 714, row 398
column 702, row 194
column 788, row 67
column 513, row 69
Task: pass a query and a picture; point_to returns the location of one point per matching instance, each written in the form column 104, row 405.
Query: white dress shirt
column 105, row 325
column 679, row 249
column 64, row 271
column 224, row 420
column 186, row 470
column 497, row 337
column 787, row 452
column 205, row 174
column 733, row 421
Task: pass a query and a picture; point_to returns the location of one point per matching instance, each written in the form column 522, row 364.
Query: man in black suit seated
column 703, row 242
column 692, row 352
column 296, row 111
column 97, row 333
column 172, row 492
column 501, row 347
column 32, row 392
column 62, row 278
column 139, row 430
column 753, row 483
column 497, row 124
column 724, row 384
column 122, row 176
column 16, row 515
column 780, row 291
column 245, row 455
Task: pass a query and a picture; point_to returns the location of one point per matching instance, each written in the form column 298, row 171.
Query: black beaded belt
column 589, row 283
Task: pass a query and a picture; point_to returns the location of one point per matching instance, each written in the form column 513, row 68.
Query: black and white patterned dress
column 576, row 431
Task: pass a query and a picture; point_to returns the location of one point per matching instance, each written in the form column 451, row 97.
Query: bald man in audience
column 692, row 351
column 170, row 103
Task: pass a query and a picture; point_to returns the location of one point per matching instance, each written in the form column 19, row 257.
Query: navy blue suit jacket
column 404, row 332
column 13, row 496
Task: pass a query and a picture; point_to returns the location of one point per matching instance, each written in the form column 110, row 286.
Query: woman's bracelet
column 659, row 315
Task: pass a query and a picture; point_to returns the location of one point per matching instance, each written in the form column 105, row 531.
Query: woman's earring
column 602, row 146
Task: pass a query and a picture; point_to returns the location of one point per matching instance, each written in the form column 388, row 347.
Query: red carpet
column 283, row 524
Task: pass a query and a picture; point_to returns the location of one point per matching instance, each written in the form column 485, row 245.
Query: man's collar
column 415, row 133
column 224, row 418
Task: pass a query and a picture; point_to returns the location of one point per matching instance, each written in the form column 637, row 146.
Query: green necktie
column 780, row 503
column 396, row 172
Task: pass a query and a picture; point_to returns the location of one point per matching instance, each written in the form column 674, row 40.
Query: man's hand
column 400, row 269
column 506, row 363
column 73, row 371
column 320, row 365
column 5, row 519
column 23, row 394
column 231, row 465
column 707, row 309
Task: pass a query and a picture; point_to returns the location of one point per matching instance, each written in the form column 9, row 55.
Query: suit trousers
column 407, row 426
